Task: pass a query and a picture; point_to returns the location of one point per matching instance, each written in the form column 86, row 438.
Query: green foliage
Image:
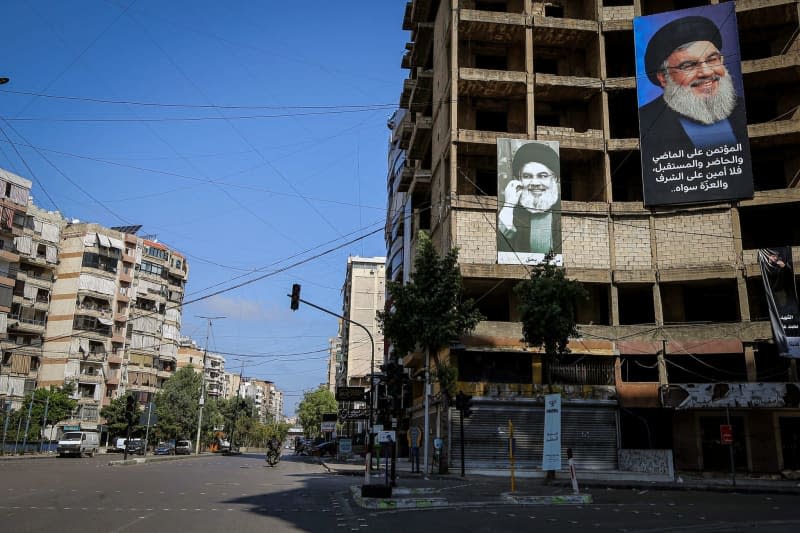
column 177, row 406
column 312, row 407
column 548, row 304
column 114, row 413
column 59, row 407
column 429, row 310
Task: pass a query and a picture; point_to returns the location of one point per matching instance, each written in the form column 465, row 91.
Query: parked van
column 78, row 443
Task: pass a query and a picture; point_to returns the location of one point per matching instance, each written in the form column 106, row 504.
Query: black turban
column 537, row 153
column 674, row 34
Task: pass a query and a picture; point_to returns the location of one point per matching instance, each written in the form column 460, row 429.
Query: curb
column 564, row 499
column 155, row 459
column 396, row 503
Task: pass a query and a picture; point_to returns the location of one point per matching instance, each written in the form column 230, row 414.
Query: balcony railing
column 29, row 321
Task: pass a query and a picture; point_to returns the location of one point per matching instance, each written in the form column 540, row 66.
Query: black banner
column 777, row 273
column 349, row 394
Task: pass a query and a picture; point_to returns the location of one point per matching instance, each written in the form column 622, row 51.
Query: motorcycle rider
column 273, row 448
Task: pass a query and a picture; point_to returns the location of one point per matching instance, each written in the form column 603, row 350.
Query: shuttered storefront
column 590, row 430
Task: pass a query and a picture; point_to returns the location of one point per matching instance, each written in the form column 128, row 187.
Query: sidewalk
column 493, row 487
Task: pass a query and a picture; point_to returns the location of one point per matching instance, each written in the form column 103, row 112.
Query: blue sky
column 267, row 146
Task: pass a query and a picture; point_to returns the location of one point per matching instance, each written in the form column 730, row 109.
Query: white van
column 78, row 443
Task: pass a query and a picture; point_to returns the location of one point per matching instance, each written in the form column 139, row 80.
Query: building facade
column 112, row 327
column 675, row 334
column 364, row 294
column 30, row 239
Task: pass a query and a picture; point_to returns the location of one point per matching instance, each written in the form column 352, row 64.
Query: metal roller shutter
column 591, row 432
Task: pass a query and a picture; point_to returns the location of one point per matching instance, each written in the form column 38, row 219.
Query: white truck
column 78, row 443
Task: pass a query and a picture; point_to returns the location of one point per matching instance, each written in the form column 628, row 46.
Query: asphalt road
column 242, row 494
column 198, row 494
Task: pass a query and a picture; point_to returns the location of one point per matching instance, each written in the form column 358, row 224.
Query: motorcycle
column 272, row 457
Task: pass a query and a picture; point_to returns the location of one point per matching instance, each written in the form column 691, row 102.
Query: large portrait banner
column 692, row 123
column 777, row 273
column 529, row 202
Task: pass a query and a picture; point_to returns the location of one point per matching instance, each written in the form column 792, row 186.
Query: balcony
column 25, row 325
column 491, row 26
column 421, row 137
column 562, row 32
column 616, row 18
column 9, row 256
column 618, row 84
column 114, row 359
column 550, row 87
column 408, row 89
column 90, row 378
column 779, row 132
column 422, row 94
column 486, row 83
column 571, row 138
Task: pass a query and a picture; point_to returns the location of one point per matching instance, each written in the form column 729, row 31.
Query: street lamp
column 3, row 81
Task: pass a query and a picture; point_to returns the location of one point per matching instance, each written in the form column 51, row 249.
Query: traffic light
column 130, row 408
column 295, row 297
column 464, row 404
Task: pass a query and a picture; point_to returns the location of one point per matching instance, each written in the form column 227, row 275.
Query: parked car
column 78, row 443
column 183, row 447
column 136, row 446
column 324, row 448
column 165, row 448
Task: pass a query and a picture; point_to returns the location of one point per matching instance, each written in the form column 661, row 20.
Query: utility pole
column 44, row 422
column 203, row 382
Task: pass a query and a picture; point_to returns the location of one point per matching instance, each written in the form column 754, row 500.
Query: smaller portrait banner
column 528, row 202
column 551, row 455
column 777, row 273
column 692, row 123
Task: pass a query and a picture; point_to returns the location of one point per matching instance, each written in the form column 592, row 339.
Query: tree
column 313, row 405
column 430, row 311
column 114, row 413
column 59, row 407
column 548, row 304
column 177, row 406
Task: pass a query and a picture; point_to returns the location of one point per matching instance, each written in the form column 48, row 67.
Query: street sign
column 345, row 446
column 328, row 427
column 353, row 414
column 386, row 437
column 726, row 434
column 349, row 394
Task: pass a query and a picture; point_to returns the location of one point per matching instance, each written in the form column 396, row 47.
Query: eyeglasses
column 540, row 175
column 712, row 61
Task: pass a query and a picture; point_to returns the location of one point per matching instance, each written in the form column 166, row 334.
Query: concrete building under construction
column 675, row 338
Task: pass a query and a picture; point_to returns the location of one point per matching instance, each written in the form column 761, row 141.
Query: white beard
column 542, row 203
column 703, row 109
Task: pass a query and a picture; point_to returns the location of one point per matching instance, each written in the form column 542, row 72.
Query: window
column 19, row 219
column 158, row 253
column 102, row 262
column 152, row 268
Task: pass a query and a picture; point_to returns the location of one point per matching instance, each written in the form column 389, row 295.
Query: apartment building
column 109, row 329
column 334, row 361
column 155, row 317
column 675, row 336
column 29, row 241
column 364, row 294
column 216, row 379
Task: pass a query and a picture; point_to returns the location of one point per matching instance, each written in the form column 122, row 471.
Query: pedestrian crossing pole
column 511, row 453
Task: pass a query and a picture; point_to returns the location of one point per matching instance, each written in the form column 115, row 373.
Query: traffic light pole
column 295, row 296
